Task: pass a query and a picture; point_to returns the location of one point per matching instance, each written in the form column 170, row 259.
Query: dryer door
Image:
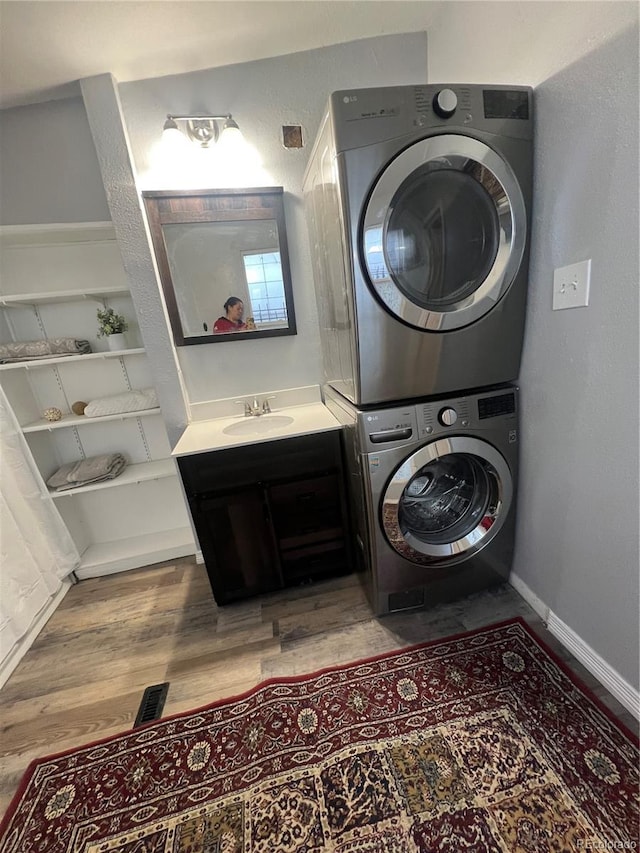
column 447, row 500
column 443, row 232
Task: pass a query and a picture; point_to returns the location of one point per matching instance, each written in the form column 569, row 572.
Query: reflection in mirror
column 223, row 262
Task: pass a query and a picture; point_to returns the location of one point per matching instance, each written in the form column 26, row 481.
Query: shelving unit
column 80, row 420
column 69, row 359
column 100, row 294
column 53, row 280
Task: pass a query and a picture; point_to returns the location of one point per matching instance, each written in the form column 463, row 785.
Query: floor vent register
column 152, row 704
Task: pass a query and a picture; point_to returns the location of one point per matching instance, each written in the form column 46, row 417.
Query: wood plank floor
column 111, row 637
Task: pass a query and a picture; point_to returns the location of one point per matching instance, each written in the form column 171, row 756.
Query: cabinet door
column 306, row 510
column 237, row 544
column 309, row 520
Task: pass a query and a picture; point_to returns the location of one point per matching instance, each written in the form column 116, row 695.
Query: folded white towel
column 130, row 401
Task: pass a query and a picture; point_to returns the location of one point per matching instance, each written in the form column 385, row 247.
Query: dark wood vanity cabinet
column 270, row 515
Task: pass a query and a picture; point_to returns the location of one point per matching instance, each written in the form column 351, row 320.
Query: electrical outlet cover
column 571, row 286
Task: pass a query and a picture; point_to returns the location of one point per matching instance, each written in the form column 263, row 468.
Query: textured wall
column 519, row 41
column 114, row 156
column 263, row 96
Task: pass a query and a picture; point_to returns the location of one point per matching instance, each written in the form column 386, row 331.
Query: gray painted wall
column 578, row 532
column 48, row 166
column 577, row 538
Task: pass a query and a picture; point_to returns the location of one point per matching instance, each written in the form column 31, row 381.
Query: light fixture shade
column 231, row 133
column 219, row 140
column 171, row 133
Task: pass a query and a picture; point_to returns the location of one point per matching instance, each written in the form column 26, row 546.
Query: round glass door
column 443, row 232
column 448, row 500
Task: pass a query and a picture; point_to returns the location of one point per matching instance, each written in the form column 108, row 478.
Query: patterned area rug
column 481, row 742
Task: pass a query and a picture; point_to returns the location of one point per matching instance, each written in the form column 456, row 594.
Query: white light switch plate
column 571, row 286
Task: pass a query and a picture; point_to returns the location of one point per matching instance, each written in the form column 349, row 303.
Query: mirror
column 224, row 263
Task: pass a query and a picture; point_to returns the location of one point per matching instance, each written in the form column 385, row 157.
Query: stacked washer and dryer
column 418, row 202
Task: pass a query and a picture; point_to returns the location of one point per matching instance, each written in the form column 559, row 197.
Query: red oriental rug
column 481, row 742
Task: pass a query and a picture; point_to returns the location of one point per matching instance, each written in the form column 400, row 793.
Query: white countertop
column 206, row 435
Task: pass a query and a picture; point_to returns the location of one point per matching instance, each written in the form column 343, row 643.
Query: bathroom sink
column 258, row 425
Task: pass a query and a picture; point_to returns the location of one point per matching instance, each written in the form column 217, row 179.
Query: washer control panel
column 441, row 417
column 384, row 429
column 445, row 416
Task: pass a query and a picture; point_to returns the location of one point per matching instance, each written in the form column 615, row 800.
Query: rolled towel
column 48, row 348
column 130, row 401
column 107, row 466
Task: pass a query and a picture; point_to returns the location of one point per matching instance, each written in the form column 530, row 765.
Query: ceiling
column 46, row 46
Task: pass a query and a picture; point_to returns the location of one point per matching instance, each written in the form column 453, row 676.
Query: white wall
column 263, row 96
column 577, row 539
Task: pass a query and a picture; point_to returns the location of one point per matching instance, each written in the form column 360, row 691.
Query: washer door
column 447, row 501
column 443, row 233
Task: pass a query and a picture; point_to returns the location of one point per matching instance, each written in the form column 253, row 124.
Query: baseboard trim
column 624, row 692
column 530, row 597
column 597, row 666
column 25, row 642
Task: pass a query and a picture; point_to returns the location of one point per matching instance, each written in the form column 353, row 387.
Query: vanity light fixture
column 203, row 129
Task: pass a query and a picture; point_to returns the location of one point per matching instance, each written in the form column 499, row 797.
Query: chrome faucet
column 255, row 408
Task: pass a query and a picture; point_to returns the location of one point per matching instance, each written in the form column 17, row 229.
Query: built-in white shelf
column 70, row 359
column 66, row 421
column 98, row 294
column 77, row 266
column 56, row 233
column 139, row 472
column 106, row 558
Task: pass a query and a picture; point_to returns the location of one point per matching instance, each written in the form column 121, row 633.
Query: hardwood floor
column 111, row 637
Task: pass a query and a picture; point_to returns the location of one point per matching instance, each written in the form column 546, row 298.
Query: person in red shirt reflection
column 232, row 322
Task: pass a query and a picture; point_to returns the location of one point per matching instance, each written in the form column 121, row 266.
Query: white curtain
column 36, row 549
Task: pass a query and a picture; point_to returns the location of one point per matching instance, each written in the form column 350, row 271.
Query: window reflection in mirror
column 223, row 262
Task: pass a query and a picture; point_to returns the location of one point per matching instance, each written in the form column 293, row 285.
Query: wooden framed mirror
column 224, row 263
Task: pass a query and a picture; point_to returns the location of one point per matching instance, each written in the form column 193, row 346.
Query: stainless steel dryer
column 418, row 202
column 433, row 490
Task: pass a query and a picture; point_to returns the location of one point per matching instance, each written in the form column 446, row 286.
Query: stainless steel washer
column 433, row 489
column 418, row 204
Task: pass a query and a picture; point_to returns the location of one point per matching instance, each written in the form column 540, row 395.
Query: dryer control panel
column 364, row 117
